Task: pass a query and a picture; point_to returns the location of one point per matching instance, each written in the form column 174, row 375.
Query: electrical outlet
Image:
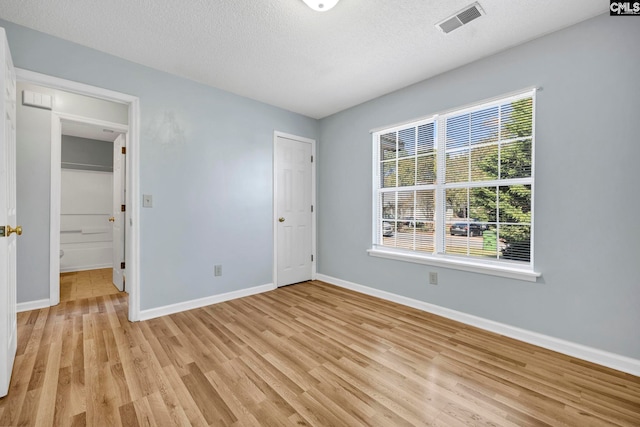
column 433, row 278
column 147, row 201
column 217, row 270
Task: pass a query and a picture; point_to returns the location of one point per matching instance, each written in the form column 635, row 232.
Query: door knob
column 281, row 219
column 112, row 219
column 17, row 230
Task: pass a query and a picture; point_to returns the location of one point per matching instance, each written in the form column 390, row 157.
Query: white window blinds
column 459, row 184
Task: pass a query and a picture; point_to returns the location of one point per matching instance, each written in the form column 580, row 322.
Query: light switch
column 147, row 201
column 27, row 97
column 46, row 102
column 35, row 99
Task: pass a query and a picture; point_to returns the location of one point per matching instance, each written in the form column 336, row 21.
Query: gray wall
column 587, row 241
column 33, row 174
column 86, row 154
column 206, row 157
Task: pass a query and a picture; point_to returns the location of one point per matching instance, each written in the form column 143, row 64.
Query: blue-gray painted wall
column 587, row 239
column 205, row 156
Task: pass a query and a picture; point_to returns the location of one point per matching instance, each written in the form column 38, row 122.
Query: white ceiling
column 283, row 53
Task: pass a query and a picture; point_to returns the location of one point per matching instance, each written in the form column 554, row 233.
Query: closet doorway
column 92, row 182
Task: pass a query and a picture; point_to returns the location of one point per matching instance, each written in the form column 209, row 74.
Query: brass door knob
column 281, row 219
column 112, row 219
column 17, row 230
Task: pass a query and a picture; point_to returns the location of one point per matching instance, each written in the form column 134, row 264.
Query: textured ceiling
column 283, row 53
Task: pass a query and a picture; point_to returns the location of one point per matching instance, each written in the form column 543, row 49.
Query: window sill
column 509, row 271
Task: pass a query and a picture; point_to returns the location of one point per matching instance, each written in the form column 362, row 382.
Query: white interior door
column 293, row 211
column 118, row 217
column 8, row 319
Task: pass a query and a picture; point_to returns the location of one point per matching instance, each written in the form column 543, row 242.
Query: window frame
column 496, row 267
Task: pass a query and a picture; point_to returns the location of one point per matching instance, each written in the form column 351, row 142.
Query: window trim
column 499, row 268
column 448, row 261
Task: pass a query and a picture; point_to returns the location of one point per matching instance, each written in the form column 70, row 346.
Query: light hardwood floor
column 306, row 355
column 85, row 284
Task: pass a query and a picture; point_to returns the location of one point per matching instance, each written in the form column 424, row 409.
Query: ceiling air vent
column 465, row 16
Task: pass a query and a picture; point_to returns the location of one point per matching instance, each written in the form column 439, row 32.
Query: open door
column 119, row 216
column 8, row 229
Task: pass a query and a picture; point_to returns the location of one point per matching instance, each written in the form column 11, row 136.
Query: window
column 457, row 188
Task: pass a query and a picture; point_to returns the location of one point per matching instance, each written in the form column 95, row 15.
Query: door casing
column 132, row 233
column 277, row 134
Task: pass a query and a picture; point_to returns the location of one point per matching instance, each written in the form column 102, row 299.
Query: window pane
column 515, row 160
column 407, row 142
column 388, row 233
column 484, row 163
column 407, row 171
column 457, row 204
column 388, row 205
column 388, row 146
column 517, row 119
column 514, row 204
column 424, row 220
column 458, row 131
column 517, row 242
column 483, row 203
column 484, row 125
column 457, row 167
column 388, row 174
column 426, row 138
column 425, row 205
column 426, row 169
column 405, row 205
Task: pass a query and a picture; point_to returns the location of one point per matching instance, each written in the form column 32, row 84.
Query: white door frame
column 274, row 219
column 132, row 183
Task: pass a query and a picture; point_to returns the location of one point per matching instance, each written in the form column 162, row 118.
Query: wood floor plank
column 310, row 354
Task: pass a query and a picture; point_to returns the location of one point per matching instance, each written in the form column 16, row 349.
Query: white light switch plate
column 147, row 201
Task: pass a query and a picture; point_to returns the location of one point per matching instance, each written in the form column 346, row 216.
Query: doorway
column 91, row 222
column 294, row 209
column 132, row 232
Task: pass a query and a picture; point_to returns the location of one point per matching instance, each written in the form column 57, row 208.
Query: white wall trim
column 132, row 231
column 314, row 251
column 32, row 305
column 55, row 207
column 462, row 264
column 85, row 268
column 71, row 86
column 203, row 302
column 590, row 354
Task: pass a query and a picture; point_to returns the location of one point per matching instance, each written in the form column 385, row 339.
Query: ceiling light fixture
column 321, row 5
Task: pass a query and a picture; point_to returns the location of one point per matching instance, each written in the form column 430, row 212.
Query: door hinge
column 2, row 232
column 123, row 208
column 124, row 150
column 311, row 159
column 311, row 208
column 122, row 265
column 311, row 258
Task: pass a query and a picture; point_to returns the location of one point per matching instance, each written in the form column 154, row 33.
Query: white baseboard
column 203, row 302
column 33, row 305
column 85, row 268
column 600, row 357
